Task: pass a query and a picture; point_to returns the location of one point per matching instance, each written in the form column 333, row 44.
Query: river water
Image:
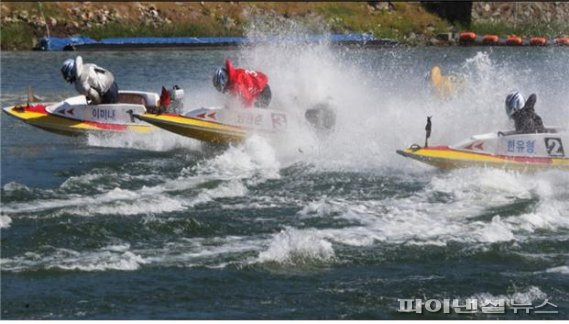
column 336, row 227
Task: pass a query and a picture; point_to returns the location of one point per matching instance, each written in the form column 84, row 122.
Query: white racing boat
column 509, row 150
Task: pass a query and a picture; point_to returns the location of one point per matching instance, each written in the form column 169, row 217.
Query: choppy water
column 131, row 227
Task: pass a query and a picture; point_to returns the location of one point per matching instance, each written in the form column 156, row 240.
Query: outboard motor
column 321, row 117
column 177, row 96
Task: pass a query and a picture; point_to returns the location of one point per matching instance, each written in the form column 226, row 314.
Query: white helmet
column 68, row 70
column 220, row 79
column 514, row 102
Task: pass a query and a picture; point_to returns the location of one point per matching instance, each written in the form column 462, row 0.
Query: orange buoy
column 490, row 39
column 538, row 41
column 466, row 37
column 514, row 40
column 562, row 40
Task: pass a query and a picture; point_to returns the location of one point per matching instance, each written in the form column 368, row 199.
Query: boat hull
column 221, row 125
column 196, row 128
column 447, row 158
column 38, row 116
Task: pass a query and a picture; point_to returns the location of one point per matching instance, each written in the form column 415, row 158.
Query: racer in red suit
column 251, row 87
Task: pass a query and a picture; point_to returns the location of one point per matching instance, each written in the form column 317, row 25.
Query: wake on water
column 415, row 219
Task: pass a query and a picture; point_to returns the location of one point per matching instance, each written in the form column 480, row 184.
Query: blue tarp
column 58, row 44
column 172, row 40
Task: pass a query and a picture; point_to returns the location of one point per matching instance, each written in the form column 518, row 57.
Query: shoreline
column 23, row 24
column 408, row 24
column 464, row 39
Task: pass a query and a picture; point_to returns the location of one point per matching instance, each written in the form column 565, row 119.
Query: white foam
column 70, row 201
column 157, row 140
column 5, row 221
column 262, row 202
column 111, row 180
column 550, row 212
column 254, row 158
column 294, row 246
column 143, row 205
column 527, row 296
column 549, row 215
column 82, row 180
column 492, row 186
column 107, row 258
column 153, row 200
column 320, row 208
column 425, row 218
column 14, row 186
column 117, row 200
column 496, row 231
column 117, row 247
column 233, row 188
column 561, row 270
column 211, row 252
column 163, row 197
column 102, row 261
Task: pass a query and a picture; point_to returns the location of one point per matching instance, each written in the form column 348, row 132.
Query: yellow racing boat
column 74, row 116
column 508, row 150
column 444, row 86
column 203, row 128
column 224, row 125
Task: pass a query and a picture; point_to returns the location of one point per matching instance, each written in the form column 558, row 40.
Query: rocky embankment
column 82, row 17
column 521, row 12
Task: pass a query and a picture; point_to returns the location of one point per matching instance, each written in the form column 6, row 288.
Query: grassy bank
column 409, row 23
column 24, row 23
column 500, row 28
column 16, row 36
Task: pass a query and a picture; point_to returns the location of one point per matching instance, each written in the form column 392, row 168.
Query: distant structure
column 511, row 13
column 453, row 11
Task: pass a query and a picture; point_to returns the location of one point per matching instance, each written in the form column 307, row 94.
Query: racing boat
column 223, row 126
column 74, row 116
column 444, row 86
column 508, row 150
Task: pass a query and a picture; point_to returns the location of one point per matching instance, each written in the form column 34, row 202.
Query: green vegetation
column 17, row 36
column 137, row 29
column 397, row 22
column 503, row 29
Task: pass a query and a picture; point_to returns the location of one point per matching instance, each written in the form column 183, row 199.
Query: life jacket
column 91, row 80
column 526, row 120
column 165, row 98
column 245, row 84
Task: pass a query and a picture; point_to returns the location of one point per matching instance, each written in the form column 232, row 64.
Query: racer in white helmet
column 523, row 113
column 96, row 83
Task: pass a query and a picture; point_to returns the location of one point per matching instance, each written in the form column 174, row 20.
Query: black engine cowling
column 321, row 117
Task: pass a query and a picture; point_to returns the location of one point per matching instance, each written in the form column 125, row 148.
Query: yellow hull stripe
column 66, row 125
column 450, row 159
column 196, row 128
